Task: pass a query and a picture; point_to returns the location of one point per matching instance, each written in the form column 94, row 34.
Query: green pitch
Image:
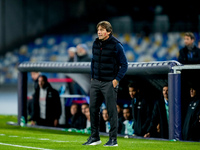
column 19, row 138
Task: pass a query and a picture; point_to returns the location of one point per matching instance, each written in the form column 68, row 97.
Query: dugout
column 150, row 75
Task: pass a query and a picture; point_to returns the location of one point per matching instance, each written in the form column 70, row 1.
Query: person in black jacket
column 190, row 54
column 76, row 120
column 191, row 126
column 108, row 67
column 34, row 76
column 159, row 125
column 47, row 105
column 141, row 110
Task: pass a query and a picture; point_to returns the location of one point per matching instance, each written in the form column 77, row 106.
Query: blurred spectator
column 87, row 115
column 82, row 53
column 127, row 123
column 104, row 122
column 47, row 105
column 34, row 76
column 84, row 106
column 71, row 58
column 191, row 126
column 198, row 44
column 76, row 120
column 160, row 117
column 72, row 54
column 190, row 54
column 120, row 110
column 141, row 110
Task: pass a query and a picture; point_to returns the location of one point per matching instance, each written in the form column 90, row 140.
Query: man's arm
column 92, row 65
column 122, row 60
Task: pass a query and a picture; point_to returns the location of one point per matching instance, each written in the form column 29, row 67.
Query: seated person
column 127, row 122
column 120, row 110
column 46, row 105
column 160, row 117
column 104, row 123
column 83, row 107
column 76, row 120
column 141, row 110
column 191, row 126
column 87, row 115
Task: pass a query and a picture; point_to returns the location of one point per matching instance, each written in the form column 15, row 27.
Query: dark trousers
column 99, row 92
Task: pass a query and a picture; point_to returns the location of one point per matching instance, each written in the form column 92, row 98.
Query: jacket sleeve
column 57, row 105
column 92, row 65
column 196, row 58
column 154, row 120
column 196, row 124
column 35, row 112
column 148, row 116
column 122, row 60
column 181, row 57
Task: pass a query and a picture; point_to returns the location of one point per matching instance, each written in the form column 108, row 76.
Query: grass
column 19, row 138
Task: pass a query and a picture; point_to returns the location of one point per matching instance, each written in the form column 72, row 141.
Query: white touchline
column 23, row 146
column 2, row 134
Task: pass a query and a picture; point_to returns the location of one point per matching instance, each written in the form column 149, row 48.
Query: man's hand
column 158, row 128
column 55, row 123
column 32, row 122
column 147, row 135
column 115, row 83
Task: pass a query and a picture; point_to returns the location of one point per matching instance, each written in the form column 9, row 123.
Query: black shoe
column 111, row 142
column 93, row 141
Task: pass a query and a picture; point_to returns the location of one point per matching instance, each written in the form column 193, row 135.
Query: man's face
column 41, row 82
column 102, row 33
column 105, row 115
column 192, row 92
column 126, row 113
column 165, row 92
column 71, row 54
column 132, row 92
column 188, row 41
column 80, row 51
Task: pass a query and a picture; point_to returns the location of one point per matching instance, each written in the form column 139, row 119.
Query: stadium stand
column 155, row 47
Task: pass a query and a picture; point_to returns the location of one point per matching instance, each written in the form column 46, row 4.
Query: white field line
column 2, row 134
column 13, row 136
column 23, row 146
column 42, row 139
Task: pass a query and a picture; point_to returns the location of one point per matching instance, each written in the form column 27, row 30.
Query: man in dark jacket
column 47, row 105
column 141, row 111
column 190, row 54
column 191, row 126
column 108, row 67
column 159, row 125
